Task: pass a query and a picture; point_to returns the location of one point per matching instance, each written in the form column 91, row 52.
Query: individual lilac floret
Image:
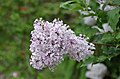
column 50, row 41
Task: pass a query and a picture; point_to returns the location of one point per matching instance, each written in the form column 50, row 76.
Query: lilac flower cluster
column 50, row 41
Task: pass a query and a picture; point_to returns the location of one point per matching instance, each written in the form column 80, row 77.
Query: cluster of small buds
column 50, row 41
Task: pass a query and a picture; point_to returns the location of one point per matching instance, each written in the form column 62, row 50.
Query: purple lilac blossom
column 50, row 41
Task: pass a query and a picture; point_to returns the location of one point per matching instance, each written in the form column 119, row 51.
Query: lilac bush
column 100, row 20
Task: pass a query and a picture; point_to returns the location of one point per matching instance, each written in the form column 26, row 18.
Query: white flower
column 86, row 12
column 15, row 74
column 50, row 41
column 90, row 20
column 96, row 71
column 107, row 7
column 101, row 31
column 106, row 28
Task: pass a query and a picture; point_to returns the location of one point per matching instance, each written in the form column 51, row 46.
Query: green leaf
column 83, row 72
column 110, row 53
column 102, row 16
column 116, row 2
column 113, row 17
column 66, row 5
column 107, row 37
column 84, row 29
column 96, row 59
column 118, row 36
column 71, row 5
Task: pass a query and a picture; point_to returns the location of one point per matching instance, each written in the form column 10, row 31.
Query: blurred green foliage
column 16, row 23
